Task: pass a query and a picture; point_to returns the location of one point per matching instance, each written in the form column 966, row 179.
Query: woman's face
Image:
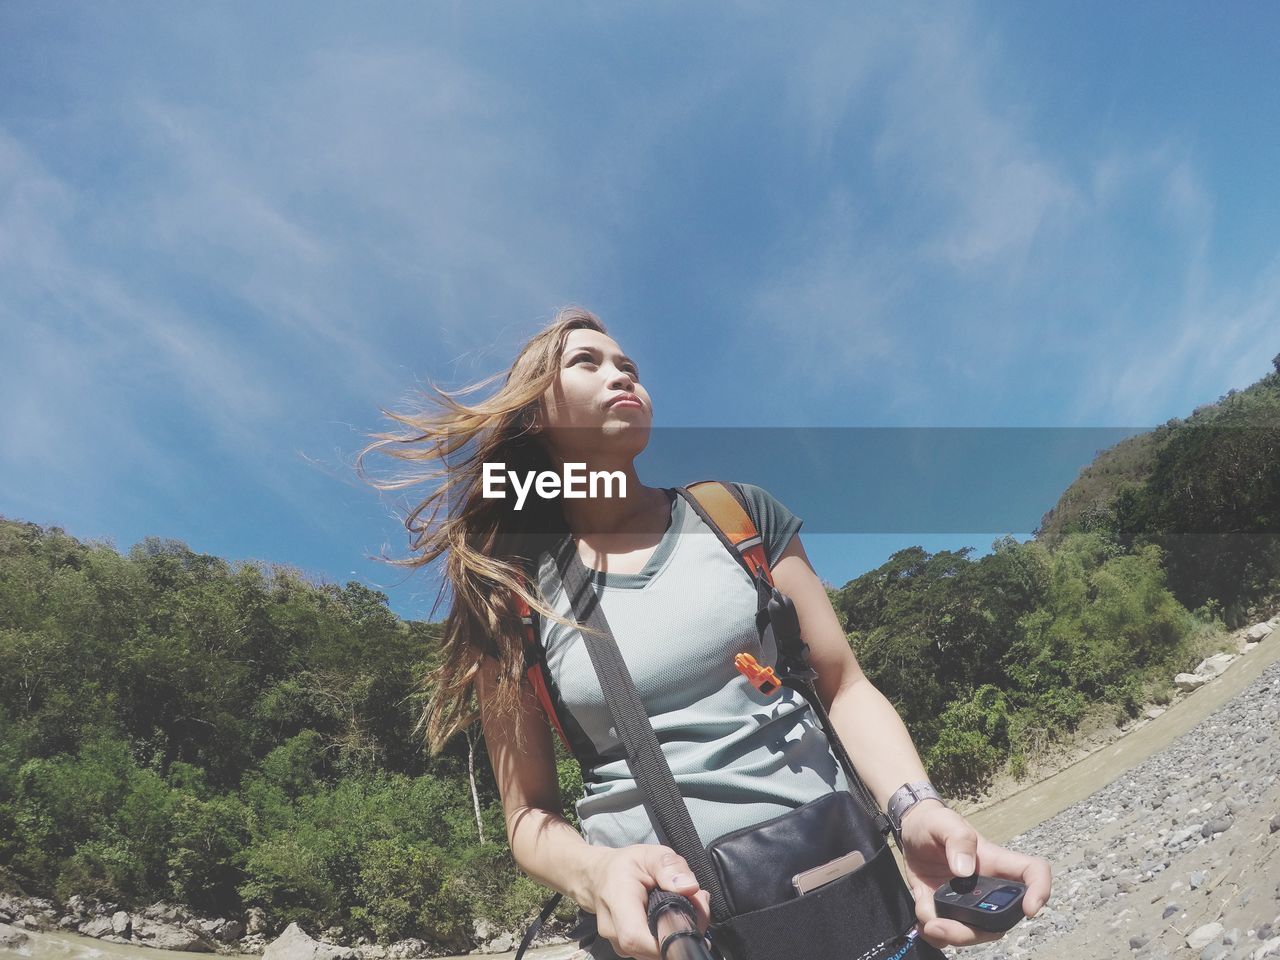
column 580, row 419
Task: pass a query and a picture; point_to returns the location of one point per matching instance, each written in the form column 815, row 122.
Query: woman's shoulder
column 774, row 520
column 754, row 493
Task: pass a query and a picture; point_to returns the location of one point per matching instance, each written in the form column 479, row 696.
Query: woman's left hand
column 939, row 844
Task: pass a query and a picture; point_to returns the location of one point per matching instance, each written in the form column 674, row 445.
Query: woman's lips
column 625, row 402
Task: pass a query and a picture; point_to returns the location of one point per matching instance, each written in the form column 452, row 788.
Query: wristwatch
column 906, row 797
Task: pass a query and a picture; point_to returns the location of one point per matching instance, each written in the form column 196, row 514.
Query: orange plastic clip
column 762, row 678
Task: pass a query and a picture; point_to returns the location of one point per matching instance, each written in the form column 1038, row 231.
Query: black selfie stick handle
column 674, row 922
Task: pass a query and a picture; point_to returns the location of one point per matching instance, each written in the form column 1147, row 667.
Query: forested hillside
column 1204, row 489
column 177, row 728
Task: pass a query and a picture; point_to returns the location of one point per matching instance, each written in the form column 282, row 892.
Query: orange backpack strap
column 535, row 662
column 725, row 511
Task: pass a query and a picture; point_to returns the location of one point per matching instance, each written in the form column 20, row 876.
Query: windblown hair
column 491, row 548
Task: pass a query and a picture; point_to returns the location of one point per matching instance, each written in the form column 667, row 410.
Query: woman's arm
column 612, row 883
column 543, row 843
column 867, row 723
column 937, row 842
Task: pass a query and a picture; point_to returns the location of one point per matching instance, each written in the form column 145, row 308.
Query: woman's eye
column 630, row 368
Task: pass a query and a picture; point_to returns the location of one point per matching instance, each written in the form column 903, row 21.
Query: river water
column 1008, row 817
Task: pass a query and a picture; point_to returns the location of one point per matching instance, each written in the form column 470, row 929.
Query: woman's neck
column 616, row 524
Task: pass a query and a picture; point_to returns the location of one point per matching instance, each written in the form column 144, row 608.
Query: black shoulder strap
column 534, row 927
column 648, row 765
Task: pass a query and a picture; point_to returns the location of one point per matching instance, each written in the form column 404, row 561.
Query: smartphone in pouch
column 811, row 879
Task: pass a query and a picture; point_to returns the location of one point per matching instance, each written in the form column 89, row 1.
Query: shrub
column 102, row 869
column 1018, row 765
column 961, row 761
column 287, row 875
column 208, row 838
column 409, row 890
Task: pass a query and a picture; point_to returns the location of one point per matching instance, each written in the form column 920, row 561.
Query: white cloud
column 281, row 226
column 296, row 225
column 989, row 187
column 913, row 88
column 1212, row 344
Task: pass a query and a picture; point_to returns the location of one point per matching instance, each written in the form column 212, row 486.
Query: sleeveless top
column 738, row 757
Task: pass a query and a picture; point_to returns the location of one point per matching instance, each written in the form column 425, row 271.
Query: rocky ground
column 162, row 926
column 1175, row 858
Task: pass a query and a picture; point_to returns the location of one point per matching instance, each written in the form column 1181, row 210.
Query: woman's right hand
column 620, row 882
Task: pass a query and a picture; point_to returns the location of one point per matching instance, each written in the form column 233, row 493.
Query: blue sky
column 230, row 233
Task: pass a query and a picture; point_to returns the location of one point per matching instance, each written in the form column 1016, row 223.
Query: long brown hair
column 491, row 548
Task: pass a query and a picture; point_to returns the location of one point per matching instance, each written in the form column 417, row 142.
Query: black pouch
column 755, row 864
column 863, row 915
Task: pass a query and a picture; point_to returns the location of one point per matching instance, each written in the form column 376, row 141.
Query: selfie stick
column 673, row 921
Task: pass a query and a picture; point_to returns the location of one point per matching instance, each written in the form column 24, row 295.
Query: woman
column 681, row 607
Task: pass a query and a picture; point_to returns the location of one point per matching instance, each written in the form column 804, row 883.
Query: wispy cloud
column 940, row 188
column 89, row 364
column 834, row 301
column 380, row 213
column 223, row 247
column 957, row 236
column 1208, row 335
column 988, row 188
column 276, row 306
column 1212, row 343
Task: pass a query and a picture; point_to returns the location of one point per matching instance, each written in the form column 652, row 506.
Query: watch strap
column 907, row 796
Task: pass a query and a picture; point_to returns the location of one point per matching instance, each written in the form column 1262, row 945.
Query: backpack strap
column 535, row 669
column 723, row 508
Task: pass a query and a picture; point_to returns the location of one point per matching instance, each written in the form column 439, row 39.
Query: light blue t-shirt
column 738, row 756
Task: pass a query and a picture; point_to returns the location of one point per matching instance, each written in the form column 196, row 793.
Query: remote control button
column 964, row 884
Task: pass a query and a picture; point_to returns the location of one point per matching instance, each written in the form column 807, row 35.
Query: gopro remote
column 988, row 903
